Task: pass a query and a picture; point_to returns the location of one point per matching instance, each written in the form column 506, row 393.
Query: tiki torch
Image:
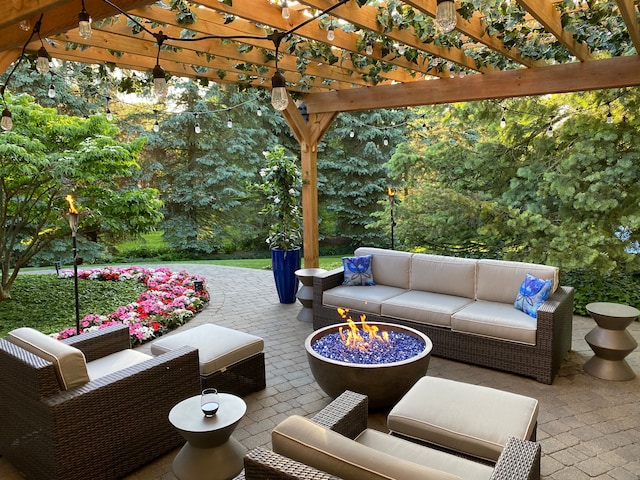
column 73, row 223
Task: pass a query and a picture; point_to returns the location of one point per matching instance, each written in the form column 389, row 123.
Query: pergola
column 381, row 54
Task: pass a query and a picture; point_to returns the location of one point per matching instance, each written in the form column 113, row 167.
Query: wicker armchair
column 102, row 429
column 347, row 415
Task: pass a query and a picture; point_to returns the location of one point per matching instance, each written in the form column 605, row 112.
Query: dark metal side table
column 305, row 293
column 610, row 341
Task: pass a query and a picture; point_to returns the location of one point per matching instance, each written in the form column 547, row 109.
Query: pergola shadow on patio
column 588, row 428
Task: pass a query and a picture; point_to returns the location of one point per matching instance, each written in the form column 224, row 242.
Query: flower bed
column 169, row 301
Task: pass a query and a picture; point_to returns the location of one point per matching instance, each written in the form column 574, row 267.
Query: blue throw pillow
column 533, row 292
column 358, row 271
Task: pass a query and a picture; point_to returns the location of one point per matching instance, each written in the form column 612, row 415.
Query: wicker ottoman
column 230, row 360
column 469, row 419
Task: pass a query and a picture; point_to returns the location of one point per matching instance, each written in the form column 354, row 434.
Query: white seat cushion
column 115, row 362
column 466, row 418
column 218, row 347
column 440, row 274
column 390, row 267
column 307, row 442
column 424, row 307
column 500, row 280
column 365, row 299
column 69, row 362
column 496, row 320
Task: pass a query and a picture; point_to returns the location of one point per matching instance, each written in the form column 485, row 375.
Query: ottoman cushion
column 461, row 417
column 218, row 347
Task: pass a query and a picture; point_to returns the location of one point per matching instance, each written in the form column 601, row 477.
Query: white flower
column 276, row 200
column 263, row 172
column 292, row 191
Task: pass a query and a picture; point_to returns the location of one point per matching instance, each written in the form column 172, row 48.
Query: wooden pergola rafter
column 411, row 62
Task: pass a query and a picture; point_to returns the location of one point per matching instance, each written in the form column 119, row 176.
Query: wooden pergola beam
column 615, row 72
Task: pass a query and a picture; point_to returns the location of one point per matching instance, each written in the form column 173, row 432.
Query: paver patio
column 588, row 428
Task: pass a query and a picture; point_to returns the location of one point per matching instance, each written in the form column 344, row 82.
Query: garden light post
column 73, row 223
column 391, row 193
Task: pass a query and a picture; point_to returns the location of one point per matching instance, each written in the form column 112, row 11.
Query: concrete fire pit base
column 384, row 384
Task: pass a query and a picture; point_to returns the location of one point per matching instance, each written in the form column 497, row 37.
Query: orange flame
column 352, row 338
column 72, row 204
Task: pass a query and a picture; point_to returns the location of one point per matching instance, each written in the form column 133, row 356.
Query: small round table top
column 187, row 415
column 309, row 272
column 614, row 310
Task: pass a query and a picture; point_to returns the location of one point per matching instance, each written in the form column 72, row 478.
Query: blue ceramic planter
column 284, row 264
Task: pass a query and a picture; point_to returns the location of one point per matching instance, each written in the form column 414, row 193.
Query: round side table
column 305, row 293
column 610, row 341
column 210, row 452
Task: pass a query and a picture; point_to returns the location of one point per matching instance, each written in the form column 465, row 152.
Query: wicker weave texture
column 540, row 361
column 103, row 429
column 241, row 378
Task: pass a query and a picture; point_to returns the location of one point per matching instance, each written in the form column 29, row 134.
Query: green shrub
column 590, row 286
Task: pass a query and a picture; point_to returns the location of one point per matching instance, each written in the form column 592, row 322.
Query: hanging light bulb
column 156, row 126
column 369, row 48
column 352, row 134
column 25, row 25
column 550, row 131
column 609, row 117
column 331, row 33
column 160, row 87
column 503, row 122
column 84, row 23
column 385, row 142
column 42, row 63
column 259, row 112
column 285, row 9
column 109, row 114
column 445, row 15
column 279, row 95
column 229, row 123
column 51, row 93
column 7, row 122
column 196, row 126
column 401, row 49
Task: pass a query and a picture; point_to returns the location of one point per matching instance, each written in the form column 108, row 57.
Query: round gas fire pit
column 383, row 383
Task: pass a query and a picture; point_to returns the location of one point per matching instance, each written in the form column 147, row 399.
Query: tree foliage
column 47, row 156
column 554, row 185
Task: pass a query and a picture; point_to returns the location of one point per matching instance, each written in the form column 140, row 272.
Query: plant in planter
column 281, row 184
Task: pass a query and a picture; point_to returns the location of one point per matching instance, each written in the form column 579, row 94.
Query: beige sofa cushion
column 115, row 362
column 389, row 267
column 69, row 362
column 424, row 307
column 440, row 274
column 218, row 347
column 463, row 417
column 499, row 280
column 307, row 442
column 429, row 457
column 496, row 320
column 365, row 299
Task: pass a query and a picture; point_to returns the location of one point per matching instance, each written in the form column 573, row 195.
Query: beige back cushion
column 389, row 267
column 500, row 280
column 307, row 442
column 69, row 362
column 440, row 274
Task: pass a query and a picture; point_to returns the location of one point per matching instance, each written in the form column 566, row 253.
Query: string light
column 279, row 95
column 331, row 32
column 84, row 23
column 51, row 93
column 352, row 134
column 196, row 126
column 503, row 122
column 609, row 117
column 108, row 110
column 285, row 10
column 259, row 112
column 160, row 87
column 7, row 122
column 156, row 124
column 42, row 63
column 229, row 123
column 550, row 131
column 401, row 49
column 369, row 48
column 385, row 142
column 445, row 15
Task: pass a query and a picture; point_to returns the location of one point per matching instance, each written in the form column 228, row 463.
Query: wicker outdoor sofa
column 433, row 294
column 103, row 428
column 397, row 459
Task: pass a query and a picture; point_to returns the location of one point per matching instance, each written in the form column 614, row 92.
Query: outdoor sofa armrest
column 263, row 464
column 520, row 460
column 346, row 415
column 102, row 342
column 325, row 281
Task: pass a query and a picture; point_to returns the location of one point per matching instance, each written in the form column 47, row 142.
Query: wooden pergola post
column 309, row 133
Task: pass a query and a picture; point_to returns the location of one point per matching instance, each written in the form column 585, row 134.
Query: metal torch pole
column 391, row 194
column 73, row 223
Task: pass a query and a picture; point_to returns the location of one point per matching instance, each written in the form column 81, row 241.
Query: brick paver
column 588, row 428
